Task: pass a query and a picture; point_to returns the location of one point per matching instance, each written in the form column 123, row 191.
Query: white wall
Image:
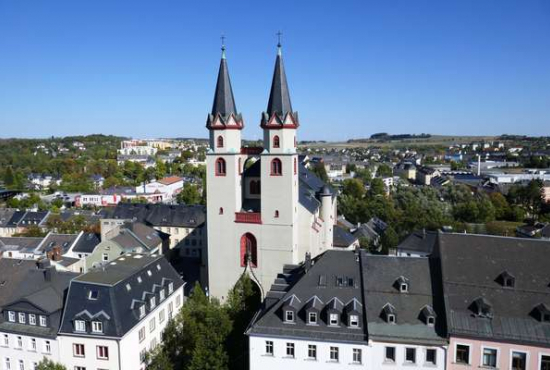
column 30, row 357
column 260, row 361
column 377, row 356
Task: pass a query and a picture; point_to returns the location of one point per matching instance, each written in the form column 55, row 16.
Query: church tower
column 279, row 163
column 223, row 179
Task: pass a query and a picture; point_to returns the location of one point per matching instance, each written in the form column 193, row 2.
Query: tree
column 243, row 302
column 389, row 240
column 47, row 364
column 501, row 206
column 9, row 178
column 158, row 359
column 384, row 170
column 354, row 188
column 195, row 339
column 377, row 187
column 189, row 194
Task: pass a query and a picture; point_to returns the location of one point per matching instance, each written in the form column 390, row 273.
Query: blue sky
column 148, row 68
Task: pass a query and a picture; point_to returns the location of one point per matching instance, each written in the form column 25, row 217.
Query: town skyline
column 455, row 69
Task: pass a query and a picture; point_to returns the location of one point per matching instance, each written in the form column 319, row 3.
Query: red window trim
column 276, row 141
column 280, row 170
column 224, row 167
column 219, row 142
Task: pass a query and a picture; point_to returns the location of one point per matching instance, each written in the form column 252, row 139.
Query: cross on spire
column 279, row 34
column 223, row 45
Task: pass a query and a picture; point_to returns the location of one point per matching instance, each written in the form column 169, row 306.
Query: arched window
column 276, row 167
column 220, row 167
column 221, row 210
column 220, row 142
column 255, row 187
column 249, row 250
column 276, row 214
column 276, row 141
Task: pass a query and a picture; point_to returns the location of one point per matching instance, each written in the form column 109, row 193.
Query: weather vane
column 223, row 41
column 279, row 34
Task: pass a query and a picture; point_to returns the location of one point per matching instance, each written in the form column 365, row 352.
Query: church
column 265, row 209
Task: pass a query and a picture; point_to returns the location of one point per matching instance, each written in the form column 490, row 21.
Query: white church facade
column 264, row 208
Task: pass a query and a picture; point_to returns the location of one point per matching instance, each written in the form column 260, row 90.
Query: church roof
column 279, row 97
column 224, row 101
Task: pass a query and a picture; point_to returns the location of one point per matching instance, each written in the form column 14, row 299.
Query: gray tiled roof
column 87, row 243
column 119, row 292
column 279, row 96
column 380, row 274
column 27, row 288
column 52, row 240
column 342, row 237
column 419, row 241
column 160, row 214
column 320, row 282
column 467, row 277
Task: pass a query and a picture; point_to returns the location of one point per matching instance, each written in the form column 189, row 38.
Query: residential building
column 424, row 175
column 546, row 192
column 418, row 244
column 31, row 300
column 20, row 221
column 271, row 212
column 170, row 187
column 405, row 170
column 115, row 314
column 497, row 301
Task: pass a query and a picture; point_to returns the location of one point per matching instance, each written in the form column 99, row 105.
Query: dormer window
column 482, row 308
column 80, row 325
column 93, row 295
column 11, row 316
column 507, row 280
column 142, row 311
column 333, row 319
column 43, row 321
column 170, row 288
column 32, row 319
column 162, row 295
column 542, row 312
column 402, row 284
column 354, row 321
column 431, row 321
column 289, row 316
column 388, row 312
column 153, row 302
column 428, row 314
column 312, row 318
column 97, row 327
column 22, row 318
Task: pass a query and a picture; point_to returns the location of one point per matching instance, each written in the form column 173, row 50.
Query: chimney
column 48, row 273
column 307, row 262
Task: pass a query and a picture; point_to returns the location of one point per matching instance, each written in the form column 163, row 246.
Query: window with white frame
column 6, row 341
column 22, row 318
column 545, row 362
column 152, row 325
column 489, row 357
column 7, row 363
column 410, row 355
column 80, row 325
column 32, row 319
column 170, row 309
column 431, row 356
column 43, row 321
column 79, row 368
column 178, row 301
column 102, row 352
column 105, row 257
column 162, row 295
column 78, row 350
column 21, row 365
column 170, row 288
column 33, row 345
column 162, row 315
column 142, row 355
column 142, row 311
column 312, row 352
column 142, row 334
column 153, row 302
column 47, row 346
column 312, row 318
column 11, row 316
column 334, row 354
column 462, row 354
column 354, row 321
column 357, row 356
column 97, row 327
column 19, row 342
column 290, row 349
column 333, row 319
column 269, row 348
column 289, row 316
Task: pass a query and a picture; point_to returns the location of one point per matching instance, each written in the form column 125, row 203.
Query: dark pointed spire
column 279, row 97
column 224, row 102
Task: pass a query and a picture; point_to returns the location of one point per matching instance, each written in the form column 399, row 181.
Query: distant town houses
column 17, row 222
column 445, row 309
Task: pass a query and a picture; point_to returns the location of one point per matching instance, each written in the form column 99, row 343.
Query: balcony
column 248, row 217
